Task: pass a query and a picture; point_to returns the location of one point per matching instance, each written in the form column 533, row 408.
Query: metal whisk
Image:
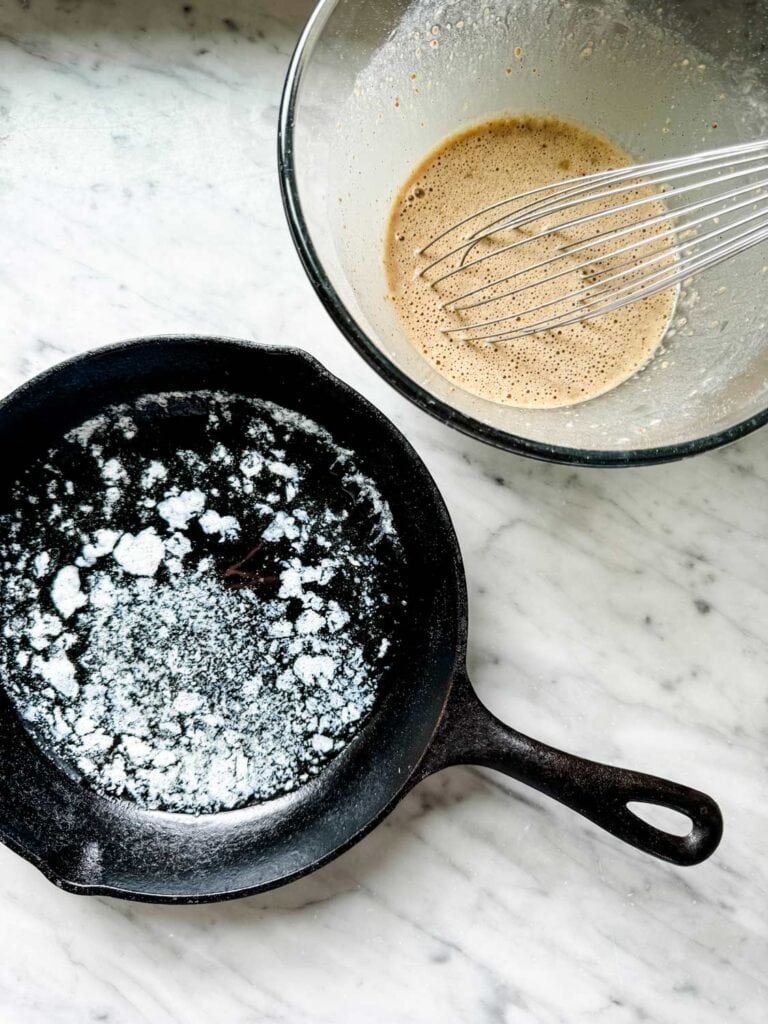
column 703, row 221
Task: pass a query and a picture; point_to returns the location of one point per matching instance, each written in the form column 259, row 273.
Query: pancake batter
column 469, row 171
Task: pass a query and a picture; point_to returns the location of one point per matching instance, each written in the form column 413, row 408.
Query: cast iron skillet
column 427, row 716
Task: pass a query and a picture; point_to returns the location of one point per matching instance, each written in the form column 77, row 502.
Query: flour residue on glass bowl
column 199, row 596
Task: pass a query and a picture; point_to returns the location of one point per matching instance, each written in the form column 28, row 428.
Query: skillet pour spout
column 470, row 734
column 426, row 717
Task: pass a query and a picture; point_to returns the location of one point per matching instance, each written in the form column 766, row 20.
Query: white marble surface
column 623, row 615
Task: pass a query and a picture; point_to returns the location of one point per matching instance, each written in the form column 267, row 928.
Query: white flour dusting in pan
column 198, row 601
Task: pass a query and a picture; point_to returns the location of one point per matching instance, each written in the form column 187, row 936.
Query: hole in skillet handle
column 470, row 734
column 661, row 817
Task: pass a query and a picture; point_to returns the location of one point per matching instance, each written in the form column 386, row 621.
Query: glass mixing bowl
column 373, row 86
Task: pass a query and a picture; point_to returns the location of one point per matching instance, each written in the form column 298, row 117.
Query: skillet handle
column 470, row 734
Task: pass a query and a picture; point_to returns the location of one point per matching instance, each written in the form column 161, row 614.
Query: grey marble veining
column 619, row 614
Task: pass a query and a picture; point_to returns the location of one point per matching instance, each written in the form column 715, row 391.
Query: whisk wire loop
column 637, row 255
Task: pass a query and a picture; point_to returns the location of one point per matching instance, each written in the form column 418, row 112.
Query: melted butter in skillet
column 467, row 172
column 201, row 594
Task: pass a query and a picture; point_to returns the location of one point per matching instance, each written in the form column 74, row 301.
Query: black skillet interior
column 426, row 716
column 88, row 843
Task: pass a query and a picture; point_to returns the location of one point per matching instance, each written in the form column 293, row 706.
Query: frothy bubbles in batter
column 471, row 170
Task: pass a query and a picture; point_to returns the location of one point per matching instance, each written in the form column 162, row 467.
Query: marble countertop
column 621, row 615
